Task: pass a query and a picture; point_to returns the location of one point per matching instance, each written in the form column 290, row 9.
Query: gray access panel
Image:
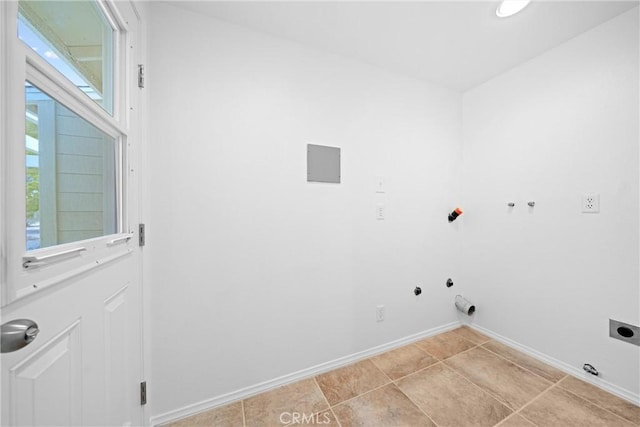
column 323, row 164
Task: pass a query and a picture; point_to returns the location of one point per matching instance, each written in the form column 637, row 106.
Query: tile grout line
column 415, row 372
column 459, row 336
column 419, row 370
column 244, row 417
column 378, row 368
column 451, row 331
column 459, row 353
column 373, row 389
column 551, row 387
column 453, row 355
column 362, row 394
column 327, row 402
column 422, row 349
column 487, row 392
column 513, row 415
column 523, row 367
column 418, row 406
column 463, row 337
column 593, row 403
column 517, row 414
column 411, row 373
column 409, row 397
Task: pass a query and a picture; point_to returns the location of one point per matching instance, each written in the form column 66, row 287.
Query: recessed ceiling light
column 511, row 7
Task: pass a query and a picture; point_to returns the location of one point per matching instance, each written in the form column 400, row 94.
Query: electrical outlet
column 380, row 313
column 591, row 203
column 380, row 211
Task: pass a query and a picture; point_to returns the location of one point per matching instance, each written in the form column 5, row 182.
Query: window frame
column 22, row 64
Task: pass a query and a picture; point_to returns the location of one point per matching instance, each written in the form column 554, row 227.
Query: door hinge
column 140, row 76
column 142, row 238
column 143, row 393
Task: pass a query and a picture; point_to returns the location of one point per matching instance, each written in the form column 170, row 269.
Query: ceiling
column 456, row 44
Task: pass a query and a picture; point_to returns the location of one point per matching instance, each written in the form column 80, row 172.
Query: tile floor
column 458, row 378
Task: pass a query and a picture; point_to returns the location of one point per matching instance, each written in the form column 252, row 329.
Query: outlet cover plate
column 591, row 203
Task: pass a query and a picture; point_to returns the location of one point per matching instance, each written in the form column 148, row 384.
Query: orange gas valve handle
column 455, row 214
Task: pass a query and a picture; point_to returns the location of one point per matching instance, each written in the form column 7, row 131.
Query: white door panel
column 85, row 366
column 45, row 388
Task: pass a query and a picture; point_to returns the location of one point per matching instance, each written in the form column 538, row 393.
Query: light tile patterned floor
column 455, row 379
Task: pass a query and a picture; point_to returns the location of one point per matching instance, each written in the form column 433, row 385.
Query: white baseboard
column 246, row 392
column 569, row 369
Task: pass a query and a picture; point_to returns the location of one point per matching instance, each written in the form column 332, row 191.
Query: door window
column 67, row 141
column 70, row 175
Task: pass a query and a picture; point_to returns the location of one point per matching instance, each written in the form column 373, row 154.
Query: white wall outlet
column 380, row 211
column 380, row 313
column 379, row 184
column 591, row 203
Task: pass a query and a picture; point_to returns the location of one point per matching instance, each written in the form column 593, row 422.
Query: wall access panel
column 323, row 164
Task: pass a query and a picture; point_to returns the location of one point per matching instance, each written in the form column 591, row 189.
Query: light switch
column 379, row 184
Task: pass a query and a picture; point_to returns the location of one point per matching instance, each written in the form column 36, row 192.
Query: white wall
column 563, row 124
column 255, row 272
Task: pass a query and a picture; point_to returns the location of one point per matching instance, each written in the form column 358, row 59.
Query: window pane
column 71, row 175
column 74, row 37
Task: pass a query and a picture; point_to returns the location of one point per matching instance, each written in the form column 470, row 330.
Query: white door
column 70, row 253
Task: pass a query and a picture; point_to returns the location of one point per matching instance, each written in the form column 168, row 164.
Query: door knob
column 17, row 334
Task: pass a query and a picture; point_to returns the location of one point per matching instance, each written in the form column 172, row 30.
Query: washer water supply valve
column 455, row 214
column 417, row 290
column 449, row 283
